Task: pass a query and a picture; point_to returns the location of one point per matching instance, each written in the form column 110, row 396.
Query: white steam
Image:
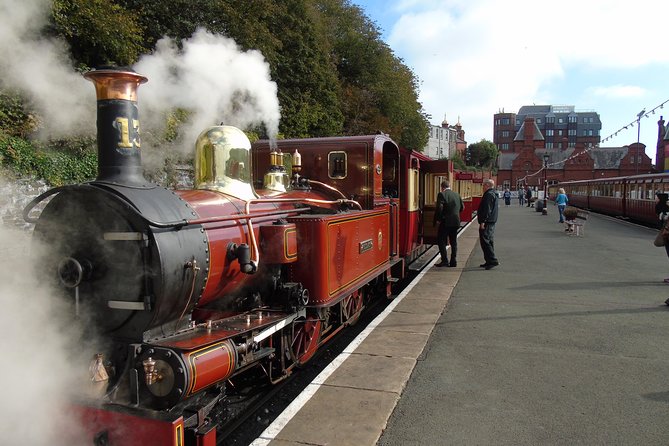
column 40, row 373
column 211, row 78
column 41, row 69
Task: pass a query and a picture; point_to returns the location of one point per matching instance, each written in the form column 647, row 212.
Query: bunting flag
column 642, row 114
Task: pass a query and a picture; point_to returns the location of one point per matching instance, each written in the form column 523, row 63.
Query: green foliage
column 58, row 163
column 14, row 120
column 482, row 154
column 458, row 162
column 99, row 32
column 379, row 93
column 334, row 73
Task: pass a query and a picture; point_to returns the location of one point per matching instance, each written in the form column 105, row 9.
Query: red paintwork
column 330, row 263
column 279, row 236
column 210, row 365
column 638, row 209
column 224, row 276
column 130, row 427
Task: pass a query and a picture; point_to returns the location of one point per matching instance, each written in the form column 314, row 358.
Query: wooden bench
column 577, row 225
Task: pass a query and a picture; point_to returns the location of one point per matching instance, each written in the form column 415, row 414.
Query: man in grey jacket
column 447, row 213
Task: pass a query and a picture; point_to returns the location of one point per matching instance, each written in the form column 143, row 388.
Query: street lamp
column 545, row 210
column 638, row 136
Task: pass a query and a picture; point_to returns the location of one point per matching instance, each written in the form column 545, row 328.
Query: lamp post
column 545, row 210
column 638, row 136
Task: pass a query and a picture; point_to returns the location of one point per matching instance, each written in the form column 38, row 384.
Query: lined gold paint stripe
column 203, row 351
column 338, row 222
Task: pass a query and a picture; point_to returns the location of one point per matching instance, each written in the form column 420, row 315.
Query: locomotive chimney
column 119, row 157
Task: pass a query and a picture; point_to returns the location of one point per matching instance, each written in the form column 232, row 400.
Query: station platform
column 565, row 342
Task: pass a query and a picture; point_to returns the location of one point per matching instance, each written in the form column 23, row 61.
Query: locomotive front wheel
column 306, row 335
column 351, row 308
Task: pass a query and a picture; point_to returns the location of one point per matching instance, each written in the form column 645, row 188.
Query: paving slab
column 373, row 372
column 396, row 344
column 564, row 343
column 340, row 416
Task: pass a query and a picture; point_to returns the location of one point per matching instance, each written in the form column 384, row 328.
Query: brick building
column 566, row 141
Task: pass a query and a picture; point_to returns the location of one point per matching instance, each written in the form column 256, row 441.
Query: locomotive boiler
column 183, row 290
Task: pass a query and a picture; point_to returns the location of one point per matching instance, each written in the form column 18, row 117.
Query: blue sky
column 474, row 58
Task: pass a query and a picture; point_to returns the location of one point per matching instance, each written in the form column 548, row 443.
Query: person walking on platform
column 521, row 196
column 507, row 197
column 662, row 211
column 447, row 213
column 561, row 201
column 528, row 195
column 487, row 217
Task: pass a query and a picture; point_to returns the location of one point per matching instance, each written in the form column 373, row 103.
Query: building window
column 560, row 120
column 571, row 144
column 517, row 121
column 549, row 132
column 572, row 132
column 504, row 146
column 549, row 145
column 573, row 119
column 505, row 121
column 505, row 134
column 550, row 120
column 538, row 120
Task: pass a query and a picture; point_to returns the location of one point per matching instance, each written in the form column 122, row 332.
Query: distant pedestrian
column 447, row 213
column 521, row 196
column 507, row 197
column 528, row 196
column 561, row 201
column 487, row 218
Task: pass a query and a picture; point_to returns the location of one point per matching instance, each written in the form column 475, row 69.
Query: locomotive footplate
column 220, row 325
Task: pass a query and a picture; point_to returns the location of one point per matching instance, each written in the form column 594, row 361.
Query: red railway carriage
column 631, row 197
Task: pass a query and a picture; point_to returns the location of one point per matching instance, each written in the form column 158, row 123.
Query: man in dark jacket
column 447, row 213
column 487, row 217
column 528, row 195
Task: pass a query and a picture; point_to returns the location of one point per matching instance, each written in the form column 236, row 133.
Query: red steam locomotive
column 255, row 267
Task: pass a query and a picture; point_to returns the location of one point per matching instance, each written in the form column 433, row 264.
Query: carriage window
column 337, row 164
column 432, row 188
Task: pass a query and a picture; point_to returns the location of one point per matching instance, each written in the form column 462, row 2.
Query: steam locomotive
column 258, row 265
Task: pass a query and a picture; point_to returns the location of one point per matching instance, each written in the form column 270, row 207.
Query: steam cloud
column 41, row 69
column 210, row 77
column 40, row 370
column 213, row 79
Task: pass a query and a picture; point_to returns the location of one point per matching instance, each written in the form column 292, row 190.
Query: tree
column 99, row 32
column 379, row 93
column 482, row 154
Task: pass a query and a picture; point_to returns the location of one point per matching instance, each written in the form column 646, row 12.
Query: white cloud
column 618, row 91
column 475, row 57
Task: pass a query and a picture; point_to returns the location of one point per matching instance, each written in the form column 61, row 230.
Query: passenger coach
column 631, row 197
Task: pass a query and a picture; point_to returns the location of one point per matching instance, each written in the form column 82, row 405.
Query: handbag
column 661, row 237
